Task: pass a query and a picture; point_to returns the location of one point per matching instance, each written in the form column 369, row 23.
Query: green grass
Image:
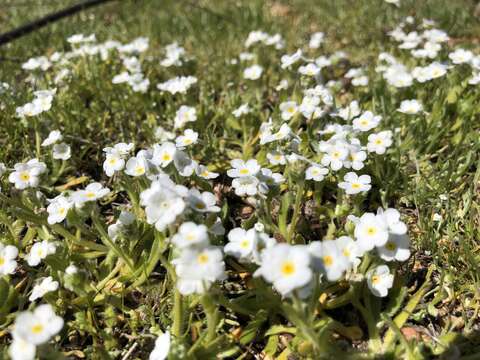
column 432, row 168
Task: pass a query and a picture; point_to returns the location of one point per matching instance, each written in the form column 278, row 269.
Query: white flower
column 203, row 172
column 371, row 231
column 39, row 326
column 355, row 158
column 202, row 202
column 242, row 168
column 309, row 105
column 120, row 149
column 184, row 164
column 289, row 60
column 282, row 85
column 253, row 72
column 398, row 76
column 268, row 179
column 162, row 205
column 323, row 61
column 266, row 135
column 429, row 72
column 80, row 38
column 27, row 175
column 367, row 121
column 461, row 56
column 328, row 258
column 58, row 209
column 410, row 107
column 309, row 70
column 379, row 280
column 173, row 56
column 121, row 78
column 45, row 286
column 360, row 81
column 378, row 143
column 29, row 109
column 3, row 169
column 354, row 184
column 287, row 267
column 316, row 172
column 475, row 79
column 396, row 248
column 136, row 166
column 276, row 158
column 350, row 111
column 53, row 137
column 288, row 109
column 113, row 163
column 92, row 192
column 242, row 243
column 316, row 39
column 241, row 110
column 350, row 250
column 184, row 114
column 162, row 347
column 255, row 36
column 189, row 137
column 40, row 62
column 245, row 185
column 197, row 269
column 334, row 156
column 39, row 251
column 178, row 85
column 21, row 350
column 163, row 154
column 391, row 217
column 190, row 234
column 436, row 35
column 7, row 259
column 61, row 151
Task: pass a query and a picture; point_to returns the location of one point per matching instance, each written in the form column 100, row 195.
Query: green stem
column 211, row 312
column 177, row 326
column 38, row 139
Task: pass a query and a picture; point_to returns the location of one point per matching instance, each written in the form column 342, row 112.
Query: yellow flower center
column 112, row 161
column 356, row 186
column 37, row 329
column 244, row 171
column 166, row 157
column 139, row 170
column 200, row 205
column 371, row 230
column 375, row 279
column 288, row 268
column 379, row 141
column 328, row 260
column 61, row 211
column 90, row 195
column 244, row 244
column 25, row 176
column 346, row 253
column 391, row 246
column 2, row 261
column 202, row 259
column 190, row 236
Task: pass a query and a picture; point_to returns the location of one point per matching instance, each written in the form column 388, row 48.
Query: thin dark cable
column 36, row 24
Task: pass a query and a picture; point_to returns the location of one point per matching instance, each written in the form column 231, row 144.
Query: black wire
column 36, row 24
